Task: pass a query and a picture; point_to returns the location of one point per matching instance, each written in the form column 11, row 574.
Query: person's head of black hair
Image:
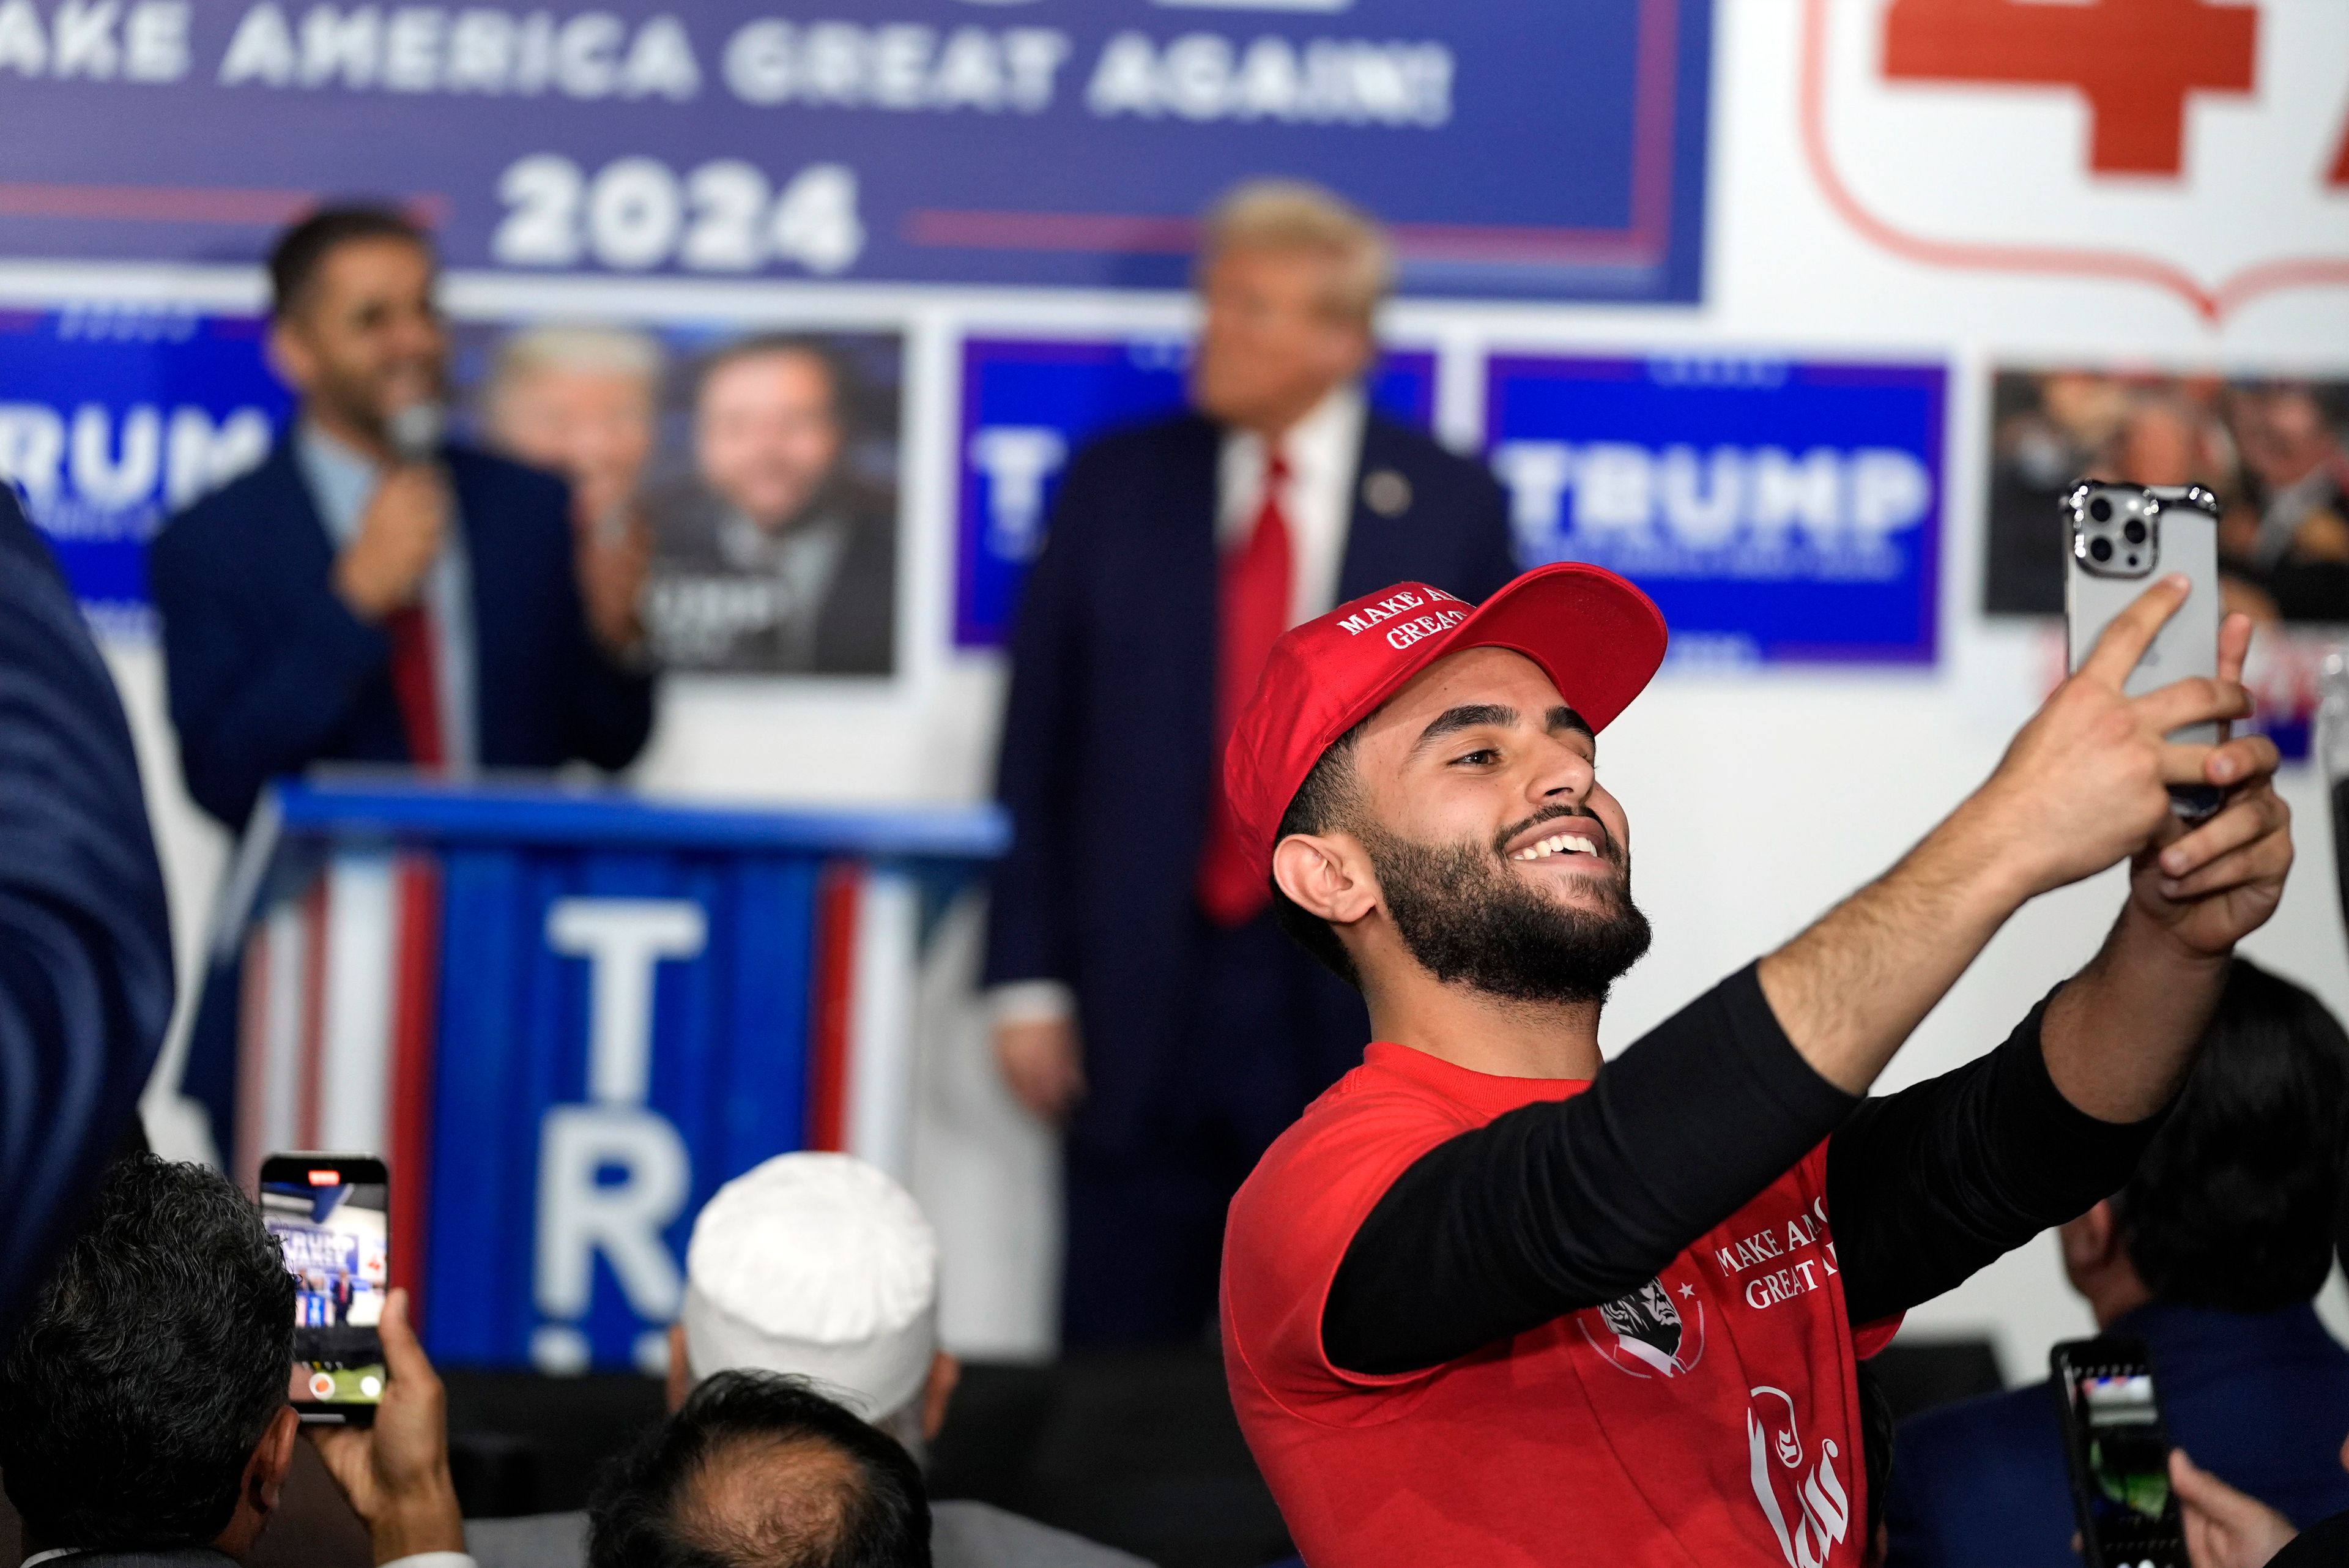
column 153, row 1361
column 757, row 1470
column 302, row 251
column 2235, row 1201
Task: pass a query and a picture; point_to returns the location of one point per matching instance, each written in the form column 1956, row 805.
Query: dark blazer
column 85, row 937
column 2259, row 1399
column 1109, row 729
column 856, row 624
column 270, row 672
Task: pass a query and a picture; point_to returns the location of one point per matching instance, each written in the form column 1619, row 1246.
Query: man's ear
column 938, row 1392
column 1326, row 874
column 2090, row 1242
column 678, row 1382
column 265, row 1473
column 288, row 355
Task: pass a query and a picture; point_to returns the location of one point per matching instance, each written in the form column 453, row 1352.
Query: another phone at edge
column 331, row 1213
column 2119, row 539
column 2118, row 1454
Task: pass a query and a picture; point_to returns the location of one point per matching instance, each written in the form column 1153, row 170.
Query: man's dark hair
column 302, row 250
column 1320, row 805
column 154, row 1357
column 834, row 1491
column 2235, row 1201
column 840, row 381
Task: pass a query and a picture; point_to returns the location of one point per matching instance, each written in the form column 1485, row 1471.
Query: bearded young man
column 1486, row 1303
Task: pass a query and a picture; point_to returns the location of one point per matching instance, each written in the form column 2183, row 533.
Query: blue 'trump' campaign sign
column 1054, row 143
column 1775, row 511
column 1029, row 404
column 111, row 417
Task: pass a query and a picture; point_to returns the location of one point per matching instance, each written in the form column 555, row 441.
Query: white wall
column 1757, row 799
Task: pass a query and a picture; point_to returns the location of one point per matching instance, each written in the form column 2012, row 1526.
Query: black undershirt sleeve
column 1566, row 1204
column 1928, row 1185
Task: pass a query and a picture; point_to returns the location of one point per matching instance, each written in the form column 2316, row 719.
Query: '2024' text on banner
column 1029, row 404
column 1776, row 511
column 1060, row 142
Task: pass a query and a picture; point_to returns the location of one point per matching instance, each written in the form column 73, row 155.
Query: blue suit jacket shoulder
column 86, row 978
column 269, row 672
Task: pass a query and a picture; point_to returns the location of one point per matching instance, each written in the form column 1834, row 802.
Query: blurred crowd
column 2271, row 452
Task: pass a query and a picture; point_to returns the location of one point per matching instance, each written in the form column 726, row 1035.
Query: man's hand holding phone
column 2084, row 785
column 396, row 1473
column 2210, row 884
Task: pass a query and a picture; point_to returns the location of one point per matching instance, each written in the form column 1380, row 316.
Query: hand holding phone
column 396, row 1473
column 331, row 1216
column 2122, row 538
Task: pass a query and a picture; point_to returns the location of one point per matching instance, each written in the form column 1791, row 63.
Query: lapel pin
column 1386, row 493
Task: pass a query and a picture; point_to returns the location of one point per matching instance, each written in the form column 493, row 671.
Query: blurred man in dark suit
column 774, row 560
column 85, row 938
column 371, row 592
column 1141, row 989
column 374, row 593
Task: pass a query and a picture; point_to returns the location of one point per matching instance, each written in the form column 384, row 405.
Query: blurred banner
column 1027, row 405
column 904, row 146
column 112, row 417
column 1776, row 511
column 2269, row 448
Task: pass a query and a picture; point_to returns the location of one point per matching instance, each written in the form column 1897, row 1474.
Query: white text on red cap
column 1393, row 605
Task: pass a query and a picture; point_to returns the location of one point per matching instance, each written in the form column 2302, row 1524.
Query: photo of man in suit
column 776, row 557
column 1141, row 992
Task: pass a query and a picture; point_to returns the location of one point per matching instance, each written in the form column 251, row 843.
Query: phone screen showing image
column 332, row 1221
column 2123, row 1457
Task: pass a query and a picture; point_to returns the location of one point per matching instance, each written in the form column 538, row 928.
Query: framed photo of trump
column 755, row 471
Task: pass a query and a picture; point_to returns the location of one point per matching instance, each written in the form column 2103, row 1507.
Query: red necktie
column 1254, row 613
column 413, row 682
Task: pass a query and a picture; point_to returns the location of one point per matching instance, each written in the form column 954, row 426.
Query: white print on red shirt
column 1816, row 1502
column 1646, row 1328
column 1782, row 1259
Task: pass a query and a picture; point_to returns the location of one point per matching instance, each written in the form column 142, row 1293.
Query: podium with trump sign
column 565, row 1019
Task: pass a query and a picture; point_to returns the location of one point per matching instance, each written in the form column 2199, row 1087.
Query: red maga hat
column 1598, row 638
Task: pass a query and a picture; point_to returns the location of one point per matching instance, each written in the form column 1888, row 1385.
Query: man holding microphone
column 372, row 592
column 1489, row 1301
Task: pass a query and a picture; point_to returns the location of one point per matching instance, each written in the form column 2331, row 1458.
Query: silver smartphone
column 2122, row 537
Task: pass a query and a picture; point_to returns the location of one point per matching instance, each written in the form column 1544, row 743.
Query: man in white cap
column 820, row 1266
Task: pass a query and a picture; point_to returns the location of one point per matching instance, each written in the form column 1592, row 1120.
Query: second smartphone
column 331, row 1215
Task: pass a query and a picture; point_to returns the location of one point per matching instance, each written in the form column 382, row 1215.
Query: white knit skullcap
column 820, row 1265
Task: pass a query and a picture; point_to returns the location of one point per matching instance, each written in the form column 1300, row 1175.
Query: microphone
column 415, row 431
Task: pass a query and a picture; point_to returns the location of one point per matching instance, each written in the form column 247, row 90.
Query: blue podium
column 566, row 1018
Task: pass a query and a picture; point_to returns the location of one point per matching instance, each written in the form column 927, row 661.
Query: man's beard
column 1464, row 915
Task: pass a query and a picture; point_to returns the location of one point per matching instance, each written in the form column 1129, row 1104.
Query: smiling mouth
column 1558, row 844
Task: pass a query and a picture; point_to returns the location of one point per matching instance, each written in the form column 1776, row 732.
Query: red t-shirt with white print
column 1711, row 1417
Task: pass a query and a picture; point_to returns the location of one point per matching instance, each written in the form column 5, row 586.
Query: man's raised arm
column 1556, row 1207
column 2082, row 787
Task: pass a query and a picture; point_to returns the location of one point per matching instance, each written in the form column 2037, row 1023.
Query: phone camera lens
column 2100, row 550
column 2133, row 531
column 2101, row 509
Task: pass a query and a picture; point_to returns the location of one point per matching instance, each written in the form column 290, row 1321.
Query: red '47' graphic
column 2136, row 62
